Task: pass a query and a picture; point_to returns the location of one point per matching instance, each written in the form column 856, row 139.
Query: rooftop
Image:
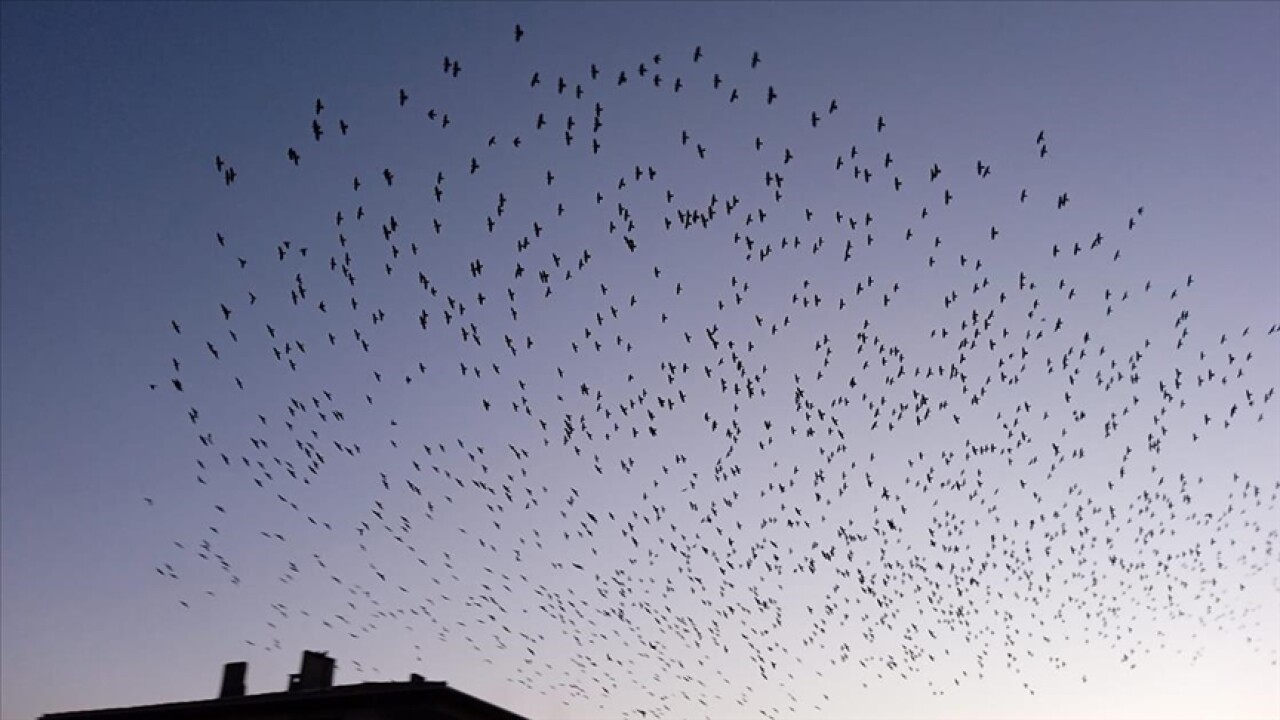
column 312, row 694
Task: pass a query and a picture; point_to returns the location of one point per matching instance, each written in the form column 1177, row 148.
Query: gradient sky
column 112, row 115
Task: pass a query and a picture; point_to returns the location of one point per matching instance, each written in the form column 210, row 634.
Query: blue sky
column 111, row 118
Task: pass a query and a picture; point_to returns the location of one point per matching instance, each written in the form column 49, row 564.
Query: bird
column 747, row 417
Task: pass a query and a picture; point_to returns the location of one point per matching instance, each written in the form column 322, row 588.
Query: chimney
column 316, row 673
column 233, row 679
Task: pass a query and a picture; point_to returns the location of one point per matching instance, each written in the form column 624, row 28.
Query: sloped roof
column 423, row 699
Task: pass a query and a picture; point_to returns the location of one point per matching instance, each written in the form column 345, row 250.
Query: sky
column 737, row 429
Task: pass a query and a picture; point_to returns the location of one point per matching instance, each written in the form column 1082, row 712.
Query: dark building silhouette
column 313, row 696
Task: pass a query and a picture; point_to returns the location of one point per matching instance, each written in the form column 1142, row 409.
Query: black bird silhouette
column 660, row 394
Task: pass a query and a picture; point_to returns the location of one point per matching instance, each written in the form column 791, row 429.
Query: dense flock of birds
column 800, row 400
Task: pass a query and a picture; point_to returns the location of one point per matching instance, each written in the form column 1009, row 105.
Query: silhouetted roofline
column 455, row 703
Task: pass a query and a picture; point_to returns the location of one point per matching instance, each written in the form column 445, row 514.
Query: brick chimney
column 233, row 679
column 316, row 673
